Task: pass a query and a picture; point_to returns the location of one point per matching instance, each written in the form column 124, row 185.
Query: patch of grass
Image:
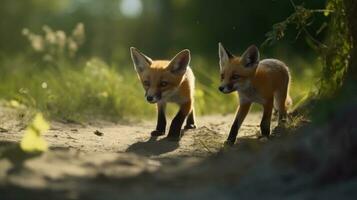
column 74, row 91
column 304, row 80
column 54, row 80
column 81, row 90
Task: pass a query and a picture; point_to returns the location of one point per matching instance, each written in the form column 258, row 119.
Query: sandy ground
column 106, row 137
column 104, row 160
column 104, row 150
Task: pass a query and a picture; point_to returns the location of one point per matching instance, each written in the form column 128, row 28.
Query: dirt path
column 135, row 137
column 119, row 161
column 91, row 161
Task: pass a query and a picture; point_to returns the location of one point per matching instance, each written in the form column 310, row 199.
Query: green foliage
column 336, row 54
column 94, row 89
column 333, row 51
column 56, row 72
column 76, row 89
column 163, row 27
column 75, row 92
column 300, row 18
column 82, row 90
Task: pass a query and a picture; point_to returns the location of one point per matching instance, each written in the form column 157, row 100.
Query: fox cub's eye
column 146, row 83
column 235, row 77
column 163, row 83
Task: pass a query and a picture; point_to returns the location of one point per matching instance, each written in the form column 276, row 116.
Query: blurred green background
column 70, row 58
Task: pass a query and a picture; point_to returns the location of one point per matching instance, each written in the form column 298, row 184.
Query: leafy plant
column 334, row 50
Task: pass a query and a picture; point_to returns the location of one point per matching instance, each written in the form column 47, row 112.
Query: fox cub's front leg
column 241, row 114
column 176, row 124
column 161, row 121
column 190, row 122
column 265, row 123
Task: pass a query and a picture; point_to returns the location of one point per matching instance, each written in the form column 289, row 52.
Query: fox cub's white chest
column 173, row 96
column 250, row 94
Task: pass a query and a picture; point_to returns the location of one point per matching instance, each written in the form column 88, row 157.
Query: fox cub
column 265, row 82
column 168, row 81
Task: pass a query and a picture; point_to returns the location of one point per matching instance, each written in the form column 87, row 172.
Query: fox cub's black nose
column 149, row 98
column 221, row 88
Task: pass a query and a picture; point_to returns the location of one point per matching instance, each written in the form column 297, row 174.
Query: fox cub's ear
column 224, row 55
column 250, row 57
column 180, row 62
column 140, row 60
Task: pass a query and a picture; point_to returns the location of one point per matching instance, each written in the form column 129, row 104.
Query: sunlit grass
column 93, row 89
column 55, row 80
column 304, row 80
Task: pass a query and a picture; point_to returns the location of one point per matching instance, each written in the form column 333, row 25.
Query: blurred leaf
column 32, row 140
column 326, row 13
column 329, row 8
column 14, row 104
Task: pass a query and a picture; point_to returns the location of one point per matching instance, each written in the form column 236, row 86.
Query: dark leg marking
column 161, row 121
column 190, row 122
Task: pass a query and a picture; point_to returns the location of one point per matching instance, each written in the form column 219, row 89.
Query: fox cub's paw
column 156, row 133
column 264, row 138
column 190, row 126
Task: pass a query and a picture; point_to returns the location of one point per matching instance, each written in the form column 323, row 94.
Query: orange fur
column 167, row 81
column 265, row 82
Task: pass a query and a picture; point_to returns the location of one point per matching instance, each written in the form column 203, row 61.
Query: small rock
column 98, row 133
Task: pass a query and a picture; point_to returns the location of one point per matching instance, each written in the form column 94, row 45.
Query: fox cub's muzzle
column 153, row 98
column 226, row 88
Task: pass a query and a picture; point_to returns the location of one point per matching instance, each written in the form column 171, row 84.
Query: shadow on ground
column 153, row 147
column 13, row 153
